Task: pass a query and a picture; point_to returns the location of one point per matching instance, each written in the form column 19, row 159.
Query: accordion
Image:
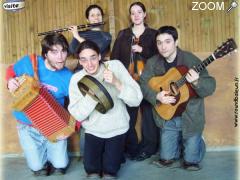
column 46, row 114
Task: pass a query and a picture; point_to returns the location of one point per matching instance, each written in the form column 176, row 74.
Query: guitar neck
column 197, row 68
column 204, row 64
column 221, row 51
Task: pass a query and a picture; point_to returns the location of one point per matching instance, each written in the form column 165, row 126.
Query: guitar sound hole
column 174, row 89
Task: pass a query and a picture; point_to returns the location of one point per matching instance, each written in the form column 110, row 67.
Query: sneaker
column 108, row 176
column 191, row 166
column 142, row 156
column 163, row 163
column 42, row 172
column 123, row 160
column 51, row 170
column 93, row 176
column 59, row 171
column 130, row 156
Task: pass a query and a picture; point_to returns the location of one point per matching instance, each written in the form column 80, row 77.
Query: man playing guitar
column 183, row 132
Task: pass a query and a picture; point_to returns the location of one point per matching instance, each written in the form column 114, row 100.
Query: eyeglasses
column 92, row 58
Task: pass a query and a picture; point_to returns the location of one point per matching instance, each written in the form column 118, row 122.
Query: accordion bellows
column 46, row 114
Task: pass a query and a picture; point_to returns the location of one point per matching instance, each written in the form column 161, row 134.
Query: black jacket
column 122, row 46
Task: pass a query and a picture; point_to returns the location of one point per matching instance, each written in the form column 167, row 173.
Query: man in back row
column 182, row 134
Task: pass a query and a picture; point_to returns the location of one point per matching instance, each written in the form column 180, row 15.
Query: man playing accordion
column 42, row 155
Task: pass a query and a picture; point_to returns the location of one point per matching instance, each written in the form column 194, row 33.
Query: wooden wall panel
column 199, row 31
column 21, row 28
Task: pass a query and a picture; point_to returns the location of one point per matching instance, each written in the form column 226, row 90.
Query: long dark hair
column 93, row 6
column 138, row 4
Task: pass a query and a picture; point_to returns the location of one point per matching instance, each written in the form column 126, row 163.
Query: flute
column 66, row 28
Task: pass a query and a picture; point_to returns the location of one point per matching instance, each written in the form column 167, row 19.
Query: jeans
column 82, row 141
column 173, row 144
column 38, row 150
column 103, row 155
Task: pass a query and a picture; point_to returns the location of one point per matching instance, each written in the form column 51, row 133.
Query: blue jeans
column 82, row 141
column 38, row 150
column 173, row 144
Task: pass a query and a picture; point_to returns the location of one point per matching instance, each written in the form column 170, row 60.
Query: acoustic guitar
column 175, row 82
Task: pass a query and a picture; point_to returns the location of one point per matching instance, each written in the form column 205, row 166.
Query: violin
column 136, row 64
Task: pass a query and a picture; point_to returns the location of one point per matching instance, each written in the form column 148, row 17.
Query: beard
column 55, row 65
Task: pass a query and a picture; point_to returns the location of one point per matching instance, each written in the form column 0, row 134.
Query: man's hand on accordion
column 13, row 84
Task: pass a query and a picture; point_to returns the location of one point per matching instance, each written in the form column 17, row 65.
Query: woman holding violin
column 94, row 15
column 133, row 46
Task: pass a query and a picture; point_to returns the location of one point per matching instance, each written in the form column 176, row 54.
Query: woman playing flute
column 94, row 14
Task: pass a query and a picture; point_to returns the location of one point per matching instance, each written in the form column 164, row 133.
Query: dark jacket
column 101, row 38
column 122, row 46
column 193, row 118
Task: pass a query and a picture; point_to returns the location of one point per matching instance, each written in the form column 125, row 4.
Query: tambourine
column 91, row 86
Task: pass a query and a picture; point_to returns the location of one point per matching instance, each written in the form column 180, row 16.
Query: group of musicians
column 139, row 54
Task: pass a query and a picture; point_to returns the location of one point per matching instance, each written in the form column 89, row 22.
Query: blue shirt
column 57, row 82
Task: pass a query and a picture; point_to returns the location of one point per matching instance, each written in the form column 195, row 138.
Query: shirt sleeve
column 10, row 72
column 149, row 46
column 115, row 54
column 131, row 93
column 105, row 44
column 148, row 73
column 206, row 83
column 23, row 66
column 73, row 45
